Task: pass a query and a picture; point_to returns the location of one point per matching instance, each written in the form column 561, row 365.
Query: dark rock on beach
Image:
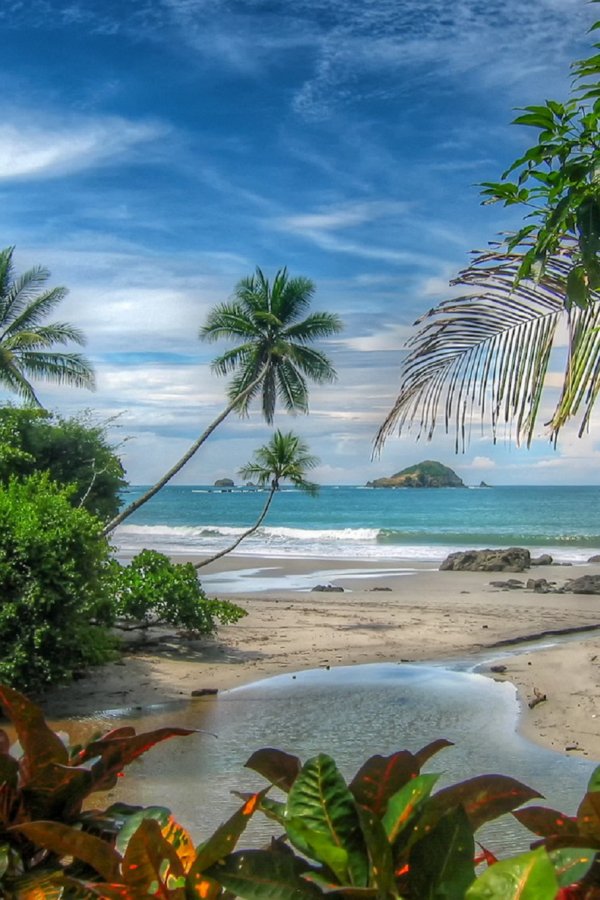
column 329, row 588
column 587, row 584
column 544, row 560
column 514, row 559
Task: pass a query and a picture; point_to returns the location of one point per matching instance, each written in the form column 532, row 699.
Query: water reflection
column 351, row 713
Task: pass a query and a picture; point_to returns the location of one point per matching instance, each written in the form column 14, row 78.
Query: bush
column 74, row 451
column 53, row 566
column 152, row 590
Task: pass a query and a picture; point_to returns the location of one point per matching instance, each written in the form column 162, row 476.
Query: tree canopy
column 27, row 342
column 489, row 351
column 73, row 451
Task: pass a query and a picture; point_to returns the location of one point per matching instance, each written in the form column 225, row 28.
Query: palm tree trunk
column 246, row 534
column 125, row 513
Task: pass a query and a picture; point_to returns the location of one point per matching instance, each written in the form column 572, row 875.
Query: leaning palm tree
column 284, row 458
column 488, row 352
column 272, row 356
column 26, row 344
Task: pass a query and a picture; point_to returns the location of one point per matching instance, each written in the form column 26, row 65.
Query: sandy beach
column 381, row 616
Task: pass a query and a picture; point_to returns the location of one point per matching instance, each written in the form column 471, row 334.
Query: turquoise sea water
column 364, row 523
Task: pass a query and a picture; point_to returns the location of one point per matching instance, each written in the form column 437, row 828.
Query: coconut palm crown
column 26, row 342
column 272, row 356
column 285, row 458
column 488, row 352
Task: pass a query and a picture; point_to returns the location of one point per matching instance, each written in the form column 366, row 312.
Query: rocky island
column 427, row 474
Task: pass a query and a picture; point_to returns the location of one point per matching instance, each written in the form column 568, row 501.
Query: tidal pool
column 351, row 713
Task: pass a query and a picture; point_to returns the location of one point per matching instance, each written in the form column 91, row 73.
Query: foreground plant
column 385, row 835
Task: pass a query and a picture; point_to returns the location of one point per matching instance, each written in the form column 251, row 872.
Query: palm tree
column 272, row 356
column 25, row 343
column 489, row 351
column 284, row 458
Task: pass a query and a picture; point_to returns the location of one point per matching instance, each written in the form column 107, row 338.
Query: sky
column 154, row 152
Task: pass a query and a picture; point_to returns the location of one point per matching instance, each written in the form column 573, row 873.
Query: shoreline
column 390, row 611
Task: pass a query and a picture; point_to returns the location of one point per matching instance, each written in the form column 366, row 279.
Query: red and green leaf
column 381, row 777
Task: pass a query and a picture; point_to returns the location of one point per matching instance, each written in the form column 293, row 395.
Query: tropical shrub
column 385, row 835
column 74, row 451
column 152, row 590
column 45, row 781
column 54, row 609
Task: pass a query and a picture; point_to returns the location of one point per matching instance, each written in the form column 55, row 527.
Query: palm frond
column 29, row 317
column 61, row 368
column 314, row 364
column 291, row 387
column 228, row 320
column 317, row 325
column 23, row 292
column 488, row 352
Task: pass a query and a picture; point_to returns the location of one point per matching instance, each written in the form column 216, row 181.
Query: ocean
column 359, row 523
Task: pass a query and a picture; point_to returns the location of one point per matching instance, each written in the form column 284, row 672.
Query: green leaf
column 382, row 776
column 224, row 839
column 571, row 865
column 67, row 841
column 577, row 287
column 527, row 877
column 403, row 806
column 264, row 875
column 381, row 862
column 594, row 782
column 441, row 864
column 280, row 768
column 321, row 818
column 131, row 822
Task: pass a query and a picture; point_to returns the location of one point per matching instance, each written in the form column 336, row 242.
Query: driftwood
column 538, row 697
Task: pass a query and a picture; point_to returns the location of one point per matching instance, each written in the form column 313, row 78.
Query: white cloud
column 53, row 148
column 345, row 216
column 387, row 337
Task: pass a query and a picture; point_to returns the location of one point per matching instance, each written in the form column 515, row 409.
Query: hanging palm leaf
column 488, row 353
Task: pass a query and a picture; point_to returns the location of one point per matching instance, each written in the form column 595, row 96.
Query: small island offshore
column 427, row 474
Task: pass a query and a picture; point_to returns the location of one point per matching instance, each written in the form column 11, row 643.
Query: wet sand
column 381, row 616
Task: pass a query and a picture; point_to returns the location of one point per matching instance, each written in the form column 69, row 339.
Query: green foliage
column 557, row 180
column 52, row 568
column 272, row 357
column 284, row 458
column 43, row 786
column 26, row 343
column 74, row 451
column 152, row 590
column 385, row 835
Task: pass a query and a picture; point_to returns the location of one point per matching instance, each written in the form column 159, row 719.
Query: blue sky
column 153, row 153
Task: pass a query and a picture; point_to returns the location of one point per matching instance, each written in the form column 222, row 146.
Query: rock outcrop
column 224, row 482
column 514, row 559
column 587, row 584
column 427, row 474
